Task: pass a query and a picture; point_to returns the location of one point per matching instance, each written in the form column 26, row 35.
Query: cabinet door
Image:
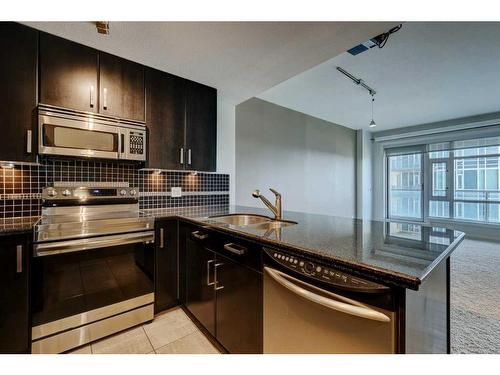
column 239, row 307
column 200, row 294
column 14, row 296
column 68, row 74
column 166, row 255
column 121, row 87
column 165, row 119
column 18, row 65
column 201, row 127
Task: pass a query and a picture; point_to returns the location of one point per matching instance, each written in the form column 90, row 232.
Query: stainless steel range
column 93, row 265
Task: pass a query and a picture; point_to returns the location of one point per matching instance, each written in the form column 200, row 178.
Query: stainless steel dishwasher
column 312, row 309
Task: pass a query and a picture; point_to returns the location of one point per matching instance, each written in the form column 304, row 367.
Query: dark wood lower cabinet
column 239, row 307
column 14, row 294
column 166, row 264
column 224, row 295
column 200, row 293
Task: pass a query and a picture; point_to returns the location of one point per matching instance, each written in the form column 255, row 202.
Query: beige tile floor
column 171, row 332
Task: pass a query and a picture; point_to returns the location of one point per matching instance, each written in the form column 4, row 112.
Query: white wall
column 312, row 162
column 226, row 142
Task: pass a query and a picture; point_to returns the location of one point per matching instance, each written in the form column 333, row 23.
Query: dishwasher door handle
column 351, row 308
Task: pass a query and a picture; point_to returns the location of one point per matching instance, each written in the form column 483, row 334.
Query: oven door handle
column 62, row 247
column 351, row 307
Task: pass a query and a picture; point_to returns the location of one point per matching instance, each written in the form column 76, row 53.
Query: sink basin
column 241, row 220
column 273, row 224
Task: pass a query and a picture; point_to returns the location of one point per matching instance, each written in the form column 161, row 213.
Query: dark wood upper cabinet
column 181, row 115
column 14, row 294
column 165, row 119
column 182, row 122
column 201, row 127
column 78, row 77
column 18, row 77
column 121, row 87
column 68, row 74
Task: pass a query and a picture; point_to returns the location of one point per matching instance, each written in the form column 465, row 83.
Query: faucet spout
column 276, row 209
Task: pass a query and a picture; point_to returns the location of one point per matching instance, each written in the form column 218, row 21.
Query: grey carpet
column 475, row 298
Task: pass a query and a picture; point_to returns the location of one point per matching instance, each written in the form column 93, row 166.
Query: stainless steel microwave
column 70, row 133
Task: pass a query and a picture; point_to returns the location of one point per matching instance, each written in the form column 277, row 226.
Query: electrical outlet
column 176, row 191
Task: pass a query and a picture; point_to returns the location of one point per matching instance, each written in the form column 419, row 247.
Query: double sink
column 259, row 222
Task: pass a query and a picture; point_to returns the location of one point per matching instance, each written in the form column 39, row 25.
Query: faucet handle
column 275, row 192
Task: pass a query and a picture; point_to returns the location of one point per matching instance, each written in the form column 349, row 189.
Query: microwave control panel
column 136, row 143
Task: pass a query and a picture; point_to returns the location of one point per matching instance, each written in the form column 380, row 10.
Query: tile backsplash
column 21, row 186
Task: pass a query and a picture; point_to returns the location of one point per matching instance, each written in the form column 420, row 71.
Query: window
column 405, row 187
column 462, row 182
column 477, row 182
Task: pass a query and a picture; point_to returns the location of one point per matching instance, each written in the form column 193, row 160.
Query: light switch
column 176, row 191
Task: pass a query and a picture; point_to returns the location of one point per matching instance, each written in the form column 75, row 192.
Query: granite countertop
column 399, row 253
column 17, row 225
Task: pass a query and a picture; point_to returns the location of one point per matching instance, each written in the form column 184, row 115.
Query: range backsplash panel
column 21, row 186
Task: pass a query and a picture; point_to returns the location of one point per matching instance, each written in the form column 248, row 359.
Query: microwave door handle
column 353, row 308
column 121, row 144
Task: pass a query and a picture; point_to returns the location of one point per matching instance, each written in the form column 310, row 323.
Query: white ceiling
column 240, row 59
column 427, row 72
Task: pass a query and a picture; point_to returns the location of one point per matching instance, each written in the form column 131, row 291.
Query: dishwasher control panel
column 324, row 274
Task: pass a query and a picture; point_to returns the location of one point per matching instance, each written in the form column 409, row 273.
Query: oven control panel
column 324, row 274
column 84, row 193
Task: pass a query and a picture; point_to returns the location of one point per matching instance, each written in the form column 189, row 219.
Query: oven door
column 78, row 282
column 78, row 136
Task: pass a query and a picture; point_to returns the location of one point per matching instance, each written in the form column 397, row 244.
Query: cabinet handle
column 209, row 262
column 91, row 96
column 216, row 282
column 29, row 141
column 19, row 258
column 161, row 238
column 235, row 249
column 189, row 156
column 199, row 235
column 182, row 156
column 105, row 99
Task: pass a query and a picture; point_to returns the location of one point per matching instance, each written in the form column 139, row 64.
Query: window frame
column 428, row 197
column 485, row 202
column 414, row 150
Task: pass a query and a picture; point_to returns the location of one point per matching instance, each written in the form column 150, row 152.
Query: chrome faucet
column 276, row 209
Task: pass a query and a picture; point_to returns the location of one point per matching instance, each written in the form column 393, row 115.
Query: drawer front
column 239, row 250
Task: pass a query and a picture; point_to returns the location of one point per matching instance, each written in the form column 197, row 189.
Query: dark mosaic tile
column 20, row 187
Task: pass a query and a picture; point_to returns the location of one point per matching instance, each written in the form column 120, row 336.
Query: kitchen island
column 410, row 259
